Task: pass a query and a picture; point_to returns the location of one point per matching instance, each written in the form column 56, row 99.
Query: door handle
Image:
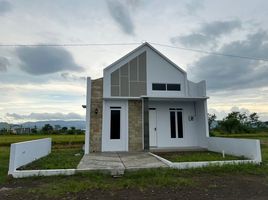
column 154, row 129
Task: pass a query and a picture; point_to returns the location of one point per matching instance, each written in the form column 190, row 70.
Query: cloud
column 223, row 113
column 5, row 7
column 208, row 33
column 4, row 63
column 193, row 6
column 121, row 16
column 72, row 77
column 241, row 110
column 45, row 116
column 223, row 72
column 46, row 60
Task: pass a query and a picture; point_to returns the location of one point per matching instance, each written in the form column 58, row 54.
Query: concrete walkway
column 116, row 163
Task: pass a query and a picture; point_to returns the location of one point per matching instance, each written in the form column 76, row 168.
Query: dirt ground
column 213, row 187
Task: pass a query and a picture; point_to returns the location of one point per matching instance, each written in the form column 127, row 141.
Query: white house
column 145, row 101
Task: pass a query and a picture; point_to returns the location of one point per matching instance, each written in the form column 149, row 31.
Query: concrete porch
column 117, row 162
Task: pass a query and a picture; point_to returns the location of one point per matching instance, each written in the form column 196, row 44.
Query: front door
column 115, row 132
column 152, row 127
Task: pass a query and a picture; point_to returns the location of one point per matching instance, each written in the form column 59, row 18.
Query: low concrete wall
column 23, row 153
column 188, row 165
column 45, row 172
column 248, row 148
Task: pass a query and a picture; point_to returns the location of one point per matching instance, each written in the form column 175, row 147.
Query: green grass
column 197, row 156
column 4, row 162
column 63, row 158
column 142, row 179
column 6, row 140
column 60, row 185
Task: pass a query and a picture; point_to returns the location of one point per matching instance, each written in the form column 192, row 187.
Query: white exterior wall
column 107, row 143
column 23, row 153
column 190, row 128
column 161, row 71
column 202, row 123
column 196, row 89
column 240, row 147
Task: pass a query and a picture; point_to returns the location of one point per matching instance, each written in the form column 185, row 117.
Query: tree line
column 237, row 122
column 46, row 129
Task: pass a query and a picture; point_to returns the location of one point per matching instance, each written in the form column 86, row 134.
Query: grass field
column 64, row 146
column 60, row 158
column 6, row 140
column 196, row 156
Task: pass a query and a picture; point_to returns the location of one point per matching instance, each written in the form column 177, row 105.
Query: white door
column 115, row 131
column 152, row 127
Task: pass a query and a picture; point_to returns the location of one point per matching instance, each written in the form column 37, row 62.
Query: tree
column 47, row 128
column 235, row 122
column 254, row 121
column 211, row 119
column 64, row 129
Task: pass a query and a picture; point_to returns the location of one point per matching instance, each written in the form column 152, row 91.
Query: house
column 18, row 129
column 145, row 101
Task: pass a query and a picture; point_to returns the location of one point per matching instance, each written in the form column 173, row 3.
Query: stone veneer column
column 96, row 118
column 146, row 124
column 135, row 125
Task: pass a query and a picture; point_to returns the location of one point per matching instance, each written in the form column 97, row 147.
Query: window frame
column 159, row 84
column 172, row 85
column 165, row 86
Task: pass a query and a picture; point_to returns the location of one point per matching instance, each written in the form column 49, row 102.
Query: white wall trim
column 49, row 172
column 88, row 107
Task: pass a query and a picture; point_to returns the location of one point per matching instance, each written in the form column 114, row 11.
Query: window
column 159, row 86
column 166, row 86
column 172, row 124
column 115, row 124
column 176, row 124
column 179, row 124
column 173, row 87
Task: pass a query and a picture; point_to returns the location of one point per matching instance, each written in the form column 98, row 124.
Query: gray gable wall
column 130, row 79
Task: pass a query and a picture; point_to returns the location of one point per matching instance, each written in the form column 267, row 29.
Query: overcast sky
column 40, row 83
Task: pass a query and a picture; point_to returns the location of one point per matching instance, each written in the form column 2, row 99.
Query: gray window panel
column 142, row 86
column 124, row 70
column 124, row 86
column 114, row 90
column 133, row 69
column 137, row 89
column 142, row 66
column 115, row 77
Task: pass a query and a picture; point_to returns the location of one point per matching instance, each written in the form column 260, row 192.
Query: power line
column 211, row 52
column 68, row 44
column 134, row 43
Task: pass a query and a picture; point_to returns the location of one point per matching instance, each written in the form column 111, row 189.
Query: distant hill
column 4, row 125
column 39, row 124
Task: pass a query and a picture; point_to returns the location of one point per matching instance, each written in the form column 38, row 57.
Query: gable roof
column 152, row 48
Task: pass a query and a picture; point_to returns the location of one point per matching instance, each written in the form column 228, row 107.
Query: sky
column 48, row 82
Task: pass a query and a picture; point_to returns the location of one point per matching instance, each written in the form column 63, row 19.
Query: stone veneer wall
column 96, row 119
column 135, row 125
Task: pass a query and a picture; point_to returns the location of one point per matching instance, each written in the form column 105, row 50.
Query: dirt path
column 221, row 188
